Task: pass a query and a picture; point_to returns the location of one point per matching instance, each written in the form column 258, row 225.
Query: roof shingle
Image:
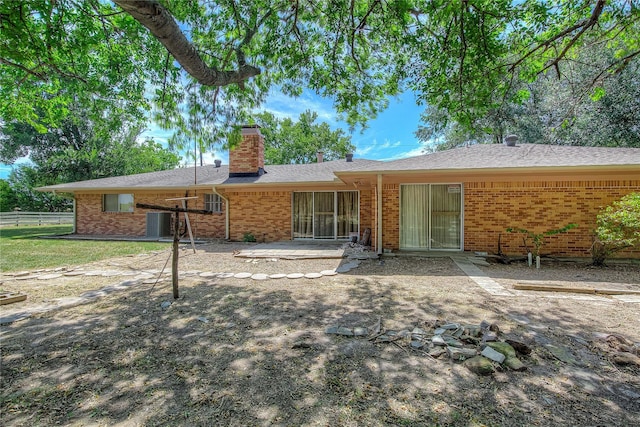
column 484, row 156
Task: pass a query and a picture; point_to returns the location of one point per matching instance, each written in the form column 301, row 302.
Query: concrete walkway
column 481, row 279
column 130, row 279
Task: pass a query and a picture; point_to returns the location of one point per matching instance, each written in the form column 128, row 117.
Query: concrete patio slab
column 294, row 250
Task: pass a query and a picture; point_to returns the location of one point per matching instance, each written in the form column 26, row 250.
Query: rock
column 417, row 344
column 461, row 353
column 165, row 304
column 473, row 330
column 452, row 326
column 518, row 346
column 492, row 354
column 561, row 354
column 452, row 342
column 345, row 331
column 417, row 334
column 203, row 319
column 328, row 272
column 277, row 276
column 438, row 340
column 242, row 275
column 494, row 328
column 502, row 347
column 625, row 358
column 331, row 330
column 295, row 275
column 360, row 332
column 489, row 336
column 313, row 275
column 484, row 325
column 437, row 352
column 470, row 339
column 439, row 331
column 514, row 364
column 259, row 276
column 479, row 365
column 511, row 361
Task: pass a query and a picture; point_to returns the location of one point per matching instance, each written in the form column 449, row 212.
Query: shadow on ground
column 235, row 352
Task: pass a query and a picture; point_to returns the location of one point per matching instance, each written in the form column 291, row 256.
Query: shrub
column 538, row 238
column 248, row 237
column 617, row 228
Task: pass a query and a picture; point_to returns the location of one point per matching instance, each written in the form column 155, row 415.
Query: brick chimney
column 320, row 156
column 247, row 158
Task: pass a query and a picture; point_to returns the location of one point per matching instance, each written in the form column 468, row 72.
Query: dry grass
column 242, row 352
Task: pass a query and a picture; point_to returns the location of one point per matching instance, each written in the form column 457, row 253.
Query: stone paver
column 152, row 276
column 478, row 276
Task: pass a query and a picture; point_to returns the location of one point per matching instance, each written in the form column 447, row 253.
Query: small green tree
column 618, row 228
column 8, row 199
column 538, row 238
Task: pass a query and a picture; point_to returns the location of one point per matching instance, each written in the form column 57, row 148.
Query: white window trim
column 104, row 205
column 215, row 202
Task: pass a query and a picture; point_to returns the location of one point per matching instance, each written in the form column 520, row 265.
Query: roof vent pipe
column 349, row 157
column 510, row 140
column 218, row 163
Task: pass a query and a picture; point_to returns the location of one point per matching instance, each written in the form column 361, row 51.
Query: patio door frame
column 428, row 218
column 313, row 215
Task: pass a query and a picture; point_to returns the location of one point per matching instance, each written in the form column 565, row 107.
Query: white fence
column 35, row 218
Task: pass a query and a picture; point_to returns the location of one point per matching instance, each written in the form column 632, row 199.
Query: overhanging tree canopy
column 454, row 54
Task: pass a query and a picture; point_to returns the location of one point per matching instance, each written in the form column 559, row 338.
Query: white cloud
column 418, row 151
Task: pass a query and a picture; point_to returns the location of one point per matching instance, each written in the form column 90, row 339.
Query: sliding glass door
column 431, row 216
column 325, row 214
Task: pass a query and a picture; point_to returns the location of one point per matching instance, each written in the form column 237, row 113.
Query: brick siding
column 248, row 156
column 265, row 214
column 489, row 209
column 90, row 219
column 492, row 207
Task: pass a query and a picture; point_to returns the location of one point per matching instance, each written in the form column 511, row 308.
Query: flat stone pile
column 478, row 347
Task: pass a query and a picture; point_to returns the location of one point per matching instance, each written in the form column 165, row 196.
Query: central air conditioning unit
column 158, row 224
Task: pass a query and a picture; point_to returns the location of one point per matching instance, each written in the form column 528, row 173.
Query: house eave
column 523, row 170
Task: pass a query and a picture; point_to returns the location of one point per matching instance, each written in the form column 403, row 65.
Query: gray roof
column 475, row 157
column 207, row 176
column 497, row 156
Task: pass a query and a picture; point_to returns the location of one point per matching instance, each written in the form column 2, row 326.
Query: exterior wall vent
column 510, row 140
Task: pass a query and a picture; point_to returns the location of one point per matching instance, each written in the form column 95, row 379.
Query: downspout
column 226, row 213
column 379, row 215
column 75, row 216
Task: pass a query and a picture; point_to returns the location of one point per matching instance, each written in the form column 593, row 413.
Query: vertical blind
column 430, row 216
column 325, row 214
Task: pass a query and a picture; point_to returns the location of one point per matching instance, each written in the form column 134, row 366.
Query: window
column 117, row 203
column 325, row 214
column 213, row 203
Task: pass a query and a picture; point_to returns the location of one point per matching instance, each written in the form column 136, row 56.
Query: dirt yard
column 245, row 352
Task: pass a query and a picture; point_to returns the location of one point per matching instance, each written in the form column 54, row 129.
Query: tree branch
column 40, row 75
column 582, row 26
column 160, row 22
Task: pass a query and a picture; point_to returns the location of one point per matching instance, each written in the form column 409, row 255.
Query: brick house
column 459, row 199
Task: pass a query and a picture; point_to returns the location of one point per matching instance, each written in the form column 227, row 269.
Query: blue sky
column 390, row 136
